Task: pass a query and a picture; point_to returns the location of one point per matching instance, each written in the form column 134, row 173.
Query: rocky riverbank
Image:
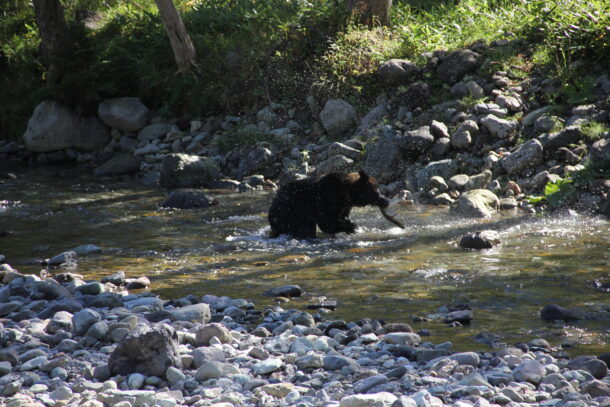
column 444, row 130
column 67, row 342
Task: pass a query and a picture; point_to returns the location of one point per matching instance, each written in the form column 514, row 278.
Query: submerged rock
column 553, row 312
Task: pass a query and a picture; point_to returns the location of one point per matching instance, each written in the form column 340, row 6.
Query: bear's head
column 365, row 191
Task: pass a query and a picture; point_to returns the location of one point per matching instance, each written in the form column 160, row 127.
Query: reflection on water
column 380, row 272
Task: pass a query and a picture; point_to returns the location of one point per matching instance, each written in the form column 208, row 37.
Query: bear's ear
column 363, row 176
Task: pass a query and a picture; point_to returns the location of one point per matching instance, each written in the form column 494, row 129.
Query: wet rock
column 285, row 291
column 117, row 278
column 553, row 312
column 126, row 114
column 338, row 117
column 528, row 155
column 137, row 283
column 188, row 199
column 479, row 203
column 147, row 350
column 479, row 240
column 457, row 64
column 461, row 316
column 120, row 164
column 66, row 258
column 188, row 171
column 397, row 72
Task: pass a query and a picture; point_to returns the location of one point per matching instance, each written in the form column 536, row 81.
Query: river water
column 380, row 272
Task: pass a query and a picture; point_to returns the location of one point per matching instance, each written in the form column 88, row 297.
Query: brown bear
column 323, row 201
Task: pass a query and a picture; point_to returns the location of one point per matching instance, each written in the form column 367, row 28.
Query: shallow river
column 380, row 272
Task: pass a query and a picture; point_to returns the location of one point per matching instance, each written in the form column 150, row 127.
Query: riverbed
column 379, row 272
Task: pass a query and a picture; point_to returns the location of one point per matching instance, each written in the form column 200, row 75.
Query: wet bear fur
column 299, row 206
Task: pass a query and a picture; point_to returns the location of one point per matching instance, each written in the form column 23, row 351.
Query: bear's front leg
column 337, row 226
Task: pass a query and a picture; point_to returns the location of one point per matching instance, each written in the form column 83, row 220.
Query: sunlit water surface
column 380, row 272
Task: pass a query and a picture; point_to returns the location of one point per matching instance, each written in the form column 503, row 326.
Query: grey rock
column 364, row 385
column 83, row 320
column 93, row 288
column 397, row 72
column 458, row 182
column 117, row 278
column 530, row 371
column 336, row 362
column 187, row 171
column 402, row 338
column 479, row 240
column 382, row 399
column 528, row 155
column 591, row 364
column 596, row 388
column 86, row 249
column 530, row 118
column 372, row 118
column 255, row 161
column 34, row 363
column 444, row 168
column 475, row 90
column 439, row 129
column 461, row 139
column 154, row 131
column 510, row 102
column 215, row 370
column 563, row 138
column 98, row 330
column 478, row 181
column 207, row 354
column 479, row 203
column 285, row 291
column 267, row 366
column 135, row 381
column 498, row 127
column 197, row 313
column 120, row 164
column 440, row 148
column 310, row 362
column 384, row 158
column 62, row 320
column 338, row 117
column 600, row 150
column 553, row 312
column 466, row 358
column 337, row 163
column 457, row 64
column 174, row 375
column 54, row 127
column 147, row 350
column 205, row 333
column 126, row 114
column 68, row 257
column 418, row 141
column 461, row 316
column 8, row 307
column 337, row 148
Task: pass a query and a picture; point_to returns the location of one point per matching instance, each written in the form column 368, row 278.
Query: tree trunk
column 370, row 12
column 53, row 35
column 182, row 46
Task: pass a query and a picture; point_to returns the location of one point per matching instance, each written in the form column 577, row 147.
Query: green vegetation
column 253, row 52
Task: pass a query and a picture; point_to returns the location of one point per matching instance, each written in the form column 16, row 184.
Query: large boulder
column 369, row 121
column 443, row 168
column 397, row 72
column 188, row 171
column 54, row 127
column 126, row 114
column 478, row 203
column 498, row 127
column 600, row 150
column 563, row 138
column 528, row 155
column 338, row 117
column 119, row 164
column 384, row 158
column 457, row 64
column 146, row 350
column 418, row 141
column 256, row 160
